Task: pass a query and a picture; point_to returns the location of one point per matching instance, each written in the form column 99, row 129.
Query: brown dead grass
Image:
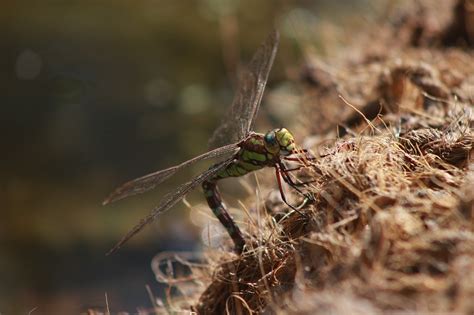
column 391, row 226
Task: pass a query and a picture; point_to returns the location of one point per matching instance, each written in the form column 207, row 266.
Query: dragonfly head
column 279, row 141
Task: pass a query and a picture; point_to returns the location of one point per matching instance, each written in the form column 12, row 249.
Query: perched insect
column 247, row 152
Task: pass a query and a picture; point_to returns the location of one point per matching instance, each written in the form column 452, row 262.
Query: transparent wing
column 150, row 181
column 170, row 200
column 241, row 115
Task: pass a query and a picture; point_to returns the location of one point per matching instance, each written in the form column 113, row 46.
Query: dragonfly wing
column 241, row 115
column 150, row 181
column 170, row 200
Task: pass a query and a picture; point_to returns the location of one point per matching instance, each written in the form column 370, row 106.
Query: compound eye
column 270, row 138
column 271, row 142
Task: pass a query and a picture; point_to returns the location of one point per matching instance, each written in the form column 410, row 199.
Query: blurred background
column 94, row 93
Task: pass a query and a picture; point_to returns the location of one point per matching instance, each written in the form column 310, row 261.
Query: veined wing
column 241, row 115
column 150, row 181
column 170, row 200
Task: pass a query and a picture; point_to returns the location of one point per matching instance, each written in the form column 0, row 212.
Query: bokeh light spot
column 195, row 98
column 28, row 65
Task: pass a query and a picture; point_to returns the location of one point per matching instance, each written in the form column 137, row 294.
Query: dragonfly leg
column 288, row 178
column 288, row 170
column 300, row 155
column 299, row 159
column 278, row 174
column 284, row 174
column 220, row 211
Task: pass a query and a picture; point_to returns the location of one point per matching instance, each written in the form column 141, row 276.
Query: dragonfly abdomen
column 219, row 209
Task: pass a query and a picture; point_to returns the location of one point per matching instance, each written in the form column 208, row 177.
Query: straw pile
column 390, row 227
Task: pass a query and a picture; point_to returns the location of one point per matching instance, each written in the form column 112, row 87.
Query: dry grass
column 391, row 226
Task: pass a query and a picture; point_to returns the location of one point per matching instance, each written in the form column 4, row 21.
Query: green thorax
column 252, row 156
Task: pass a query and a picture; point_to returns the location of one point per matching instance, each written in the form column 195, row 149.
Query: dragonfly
column 240, row 150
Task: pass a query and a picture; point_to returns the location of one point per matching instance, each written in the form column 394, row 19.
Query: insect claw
column 240, row 246
column 297, row 209
column 301, row 206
